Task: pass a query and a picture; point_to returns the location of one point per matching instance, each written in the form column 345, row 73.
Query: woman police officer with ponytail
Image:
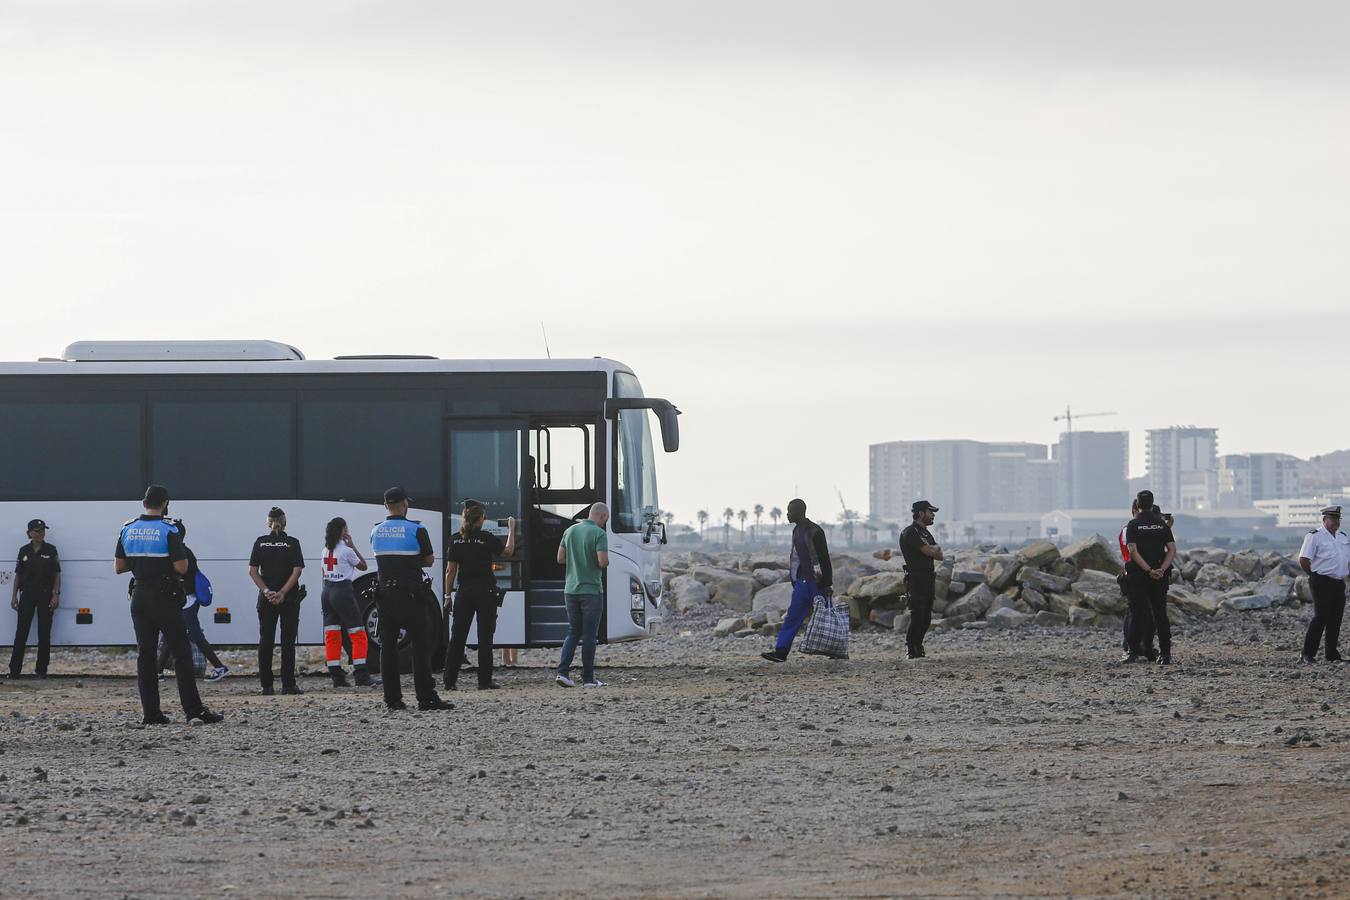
column 470, row 555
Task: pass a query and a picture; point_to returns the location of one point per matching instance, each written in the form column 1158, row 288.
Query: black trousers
column 404, row 607
column 156, row 610
column 472, row 600
column 1148, row 613
column 1328, row 609
column 32, row 603
column 922, row 592
column 287, row 612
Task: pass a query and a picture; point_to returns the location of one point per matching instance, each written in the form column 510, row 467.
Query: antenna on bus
column 544, row 332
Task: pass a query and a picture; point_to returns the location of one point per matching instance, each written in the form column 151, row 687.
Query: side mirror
column 666, row 414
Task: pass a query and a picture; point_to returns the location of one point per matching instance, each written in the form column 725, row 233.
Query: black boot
column 363, row 678
column 339, row 676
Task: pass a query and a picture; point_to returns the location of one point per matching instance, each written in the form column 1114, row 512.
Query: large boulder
column 1247, row 564
column 710, row 575
column 774, row 598
column 956, row 589
column 735, row 592
column 1048, row 619
column 884, row 617
column 974, row 604
column 687, row 593
column 1216, row 577
column 859, row 610
column 1043, row 581
column 1246, row 602
column 1198, row 603
column 1007, row 617
column 1277, row 586
column 1303, row 589
column 1061, row 603
column 884, row 584
column 767, row 577
column 1039, row 553
column 1093, row 553
column 1205, row 555
column 1100, row 592
column 725, row 627
column 1001, row 570
column 1034, row 599
column 1189, row 569
column 968, row 576
column 1082, row 616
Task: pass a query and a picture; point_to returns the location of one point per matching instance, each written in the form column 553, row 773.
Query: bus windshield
column 635, row 502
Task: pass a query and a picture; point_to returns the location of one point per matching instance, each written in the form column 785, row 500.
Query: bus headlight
column 637, row 601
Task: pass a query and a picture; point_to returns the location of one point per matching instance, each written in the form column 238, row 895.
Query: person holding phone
column 470, row 556
column 341, row 561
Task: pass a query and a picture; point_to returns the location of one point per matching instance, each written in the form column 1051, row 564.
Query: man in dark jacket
column 921, row 553
column 811, row 573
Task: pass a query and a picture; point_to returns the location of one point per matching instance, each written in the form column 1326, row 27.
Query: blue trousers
column 583, row 626
column 799, row 610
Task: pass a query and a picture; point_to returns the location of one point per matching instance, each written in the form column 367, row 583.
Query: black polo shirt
column 474, row 553
column 911, row 539
column 276, row 555
column 1150, row 536
column 36, row 569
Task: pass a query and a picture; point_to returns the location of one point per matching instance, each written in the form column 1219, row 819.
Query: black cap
column 1145, row 500
column 395, row 495
column 155, row 495
column 922, row 505
column 37, row 523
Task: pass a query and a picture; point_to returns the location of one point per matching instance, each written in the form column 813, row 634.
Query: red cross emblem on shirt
column 330, row 562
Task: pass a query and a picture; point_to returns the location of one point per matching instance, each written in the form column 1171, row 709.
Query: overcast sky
column 813, row 226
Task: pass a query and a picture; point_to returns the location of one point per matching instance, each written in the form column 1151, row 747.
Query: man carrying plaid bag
column 810, row 555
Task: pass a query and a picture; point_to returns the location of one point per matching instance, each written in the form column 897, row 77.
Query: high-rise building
column 962, row 477
column 1245, row 478
column 1093, row 469
column 1183, row 466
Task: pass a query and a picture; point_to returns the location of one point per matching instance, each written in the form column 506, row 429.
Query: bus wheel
column 435, row 626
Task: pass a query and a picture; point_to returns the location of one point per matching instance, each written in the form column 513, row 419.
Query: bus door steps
column 547, row 613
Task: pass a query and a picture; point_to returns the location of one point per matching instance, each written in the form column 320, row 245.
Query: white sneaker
column 594, row 684
column 564, row 681
column 218, row 673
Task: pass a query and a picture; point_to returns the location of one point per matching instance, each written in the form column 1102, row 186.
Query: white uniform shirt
column 1329, row 553
column 339, row 564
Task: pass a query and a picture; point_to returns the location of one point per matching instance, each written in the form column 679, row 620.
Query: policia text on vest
column 151, row 549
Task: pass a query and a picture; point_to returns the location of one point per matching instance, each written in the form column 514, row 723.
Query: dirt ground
column 1025, row 763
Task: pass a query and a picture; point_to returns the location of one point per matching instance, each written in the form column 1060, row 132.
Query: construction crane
column 1069, row 416
column 1066, row 456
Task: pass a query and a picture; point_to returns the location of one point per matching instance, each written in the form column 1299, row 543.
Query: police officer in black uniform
column 470, row 556
column 275, row 565
column 402, row 550
column 151, row 549
column 1152, row 549
column 921, row 552
column 37, row 592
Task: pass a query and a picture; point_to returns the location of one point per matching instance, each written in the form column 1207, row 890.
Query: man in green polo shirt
column 585, row 552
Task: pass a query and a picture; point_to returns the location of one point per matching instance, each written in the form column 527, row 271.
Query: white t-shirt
column 339, row 564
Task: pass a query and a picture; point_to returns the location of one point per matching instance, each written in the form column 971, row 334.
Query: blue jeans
column 799, row 610
column 583, row 624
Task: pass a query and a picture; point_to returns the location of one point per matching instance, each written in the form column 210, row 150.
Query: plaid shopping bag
column 198, row 659
column 827, row 632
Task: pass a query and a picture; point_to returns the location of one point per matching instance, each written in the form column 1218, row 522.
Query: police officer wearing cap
column 37, row 592
column 151, row 549
column 275, row 564
column 921, row 552
column 1325, row 556
column 402, row 550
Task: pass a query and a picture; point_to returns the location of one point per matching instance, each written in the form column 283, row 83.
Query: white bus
column 233, row 428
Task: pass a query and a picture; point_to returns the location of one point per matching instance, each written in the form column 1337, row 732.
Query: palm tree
column 727, row 515
column 970, row 534
column 775, row 514
column 742, row 515
column 670, row 519
column 702, row 520
column 759, row 514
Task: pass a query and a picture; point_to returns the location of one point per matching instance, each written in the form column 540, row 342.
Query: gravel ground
column 1016, row 763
